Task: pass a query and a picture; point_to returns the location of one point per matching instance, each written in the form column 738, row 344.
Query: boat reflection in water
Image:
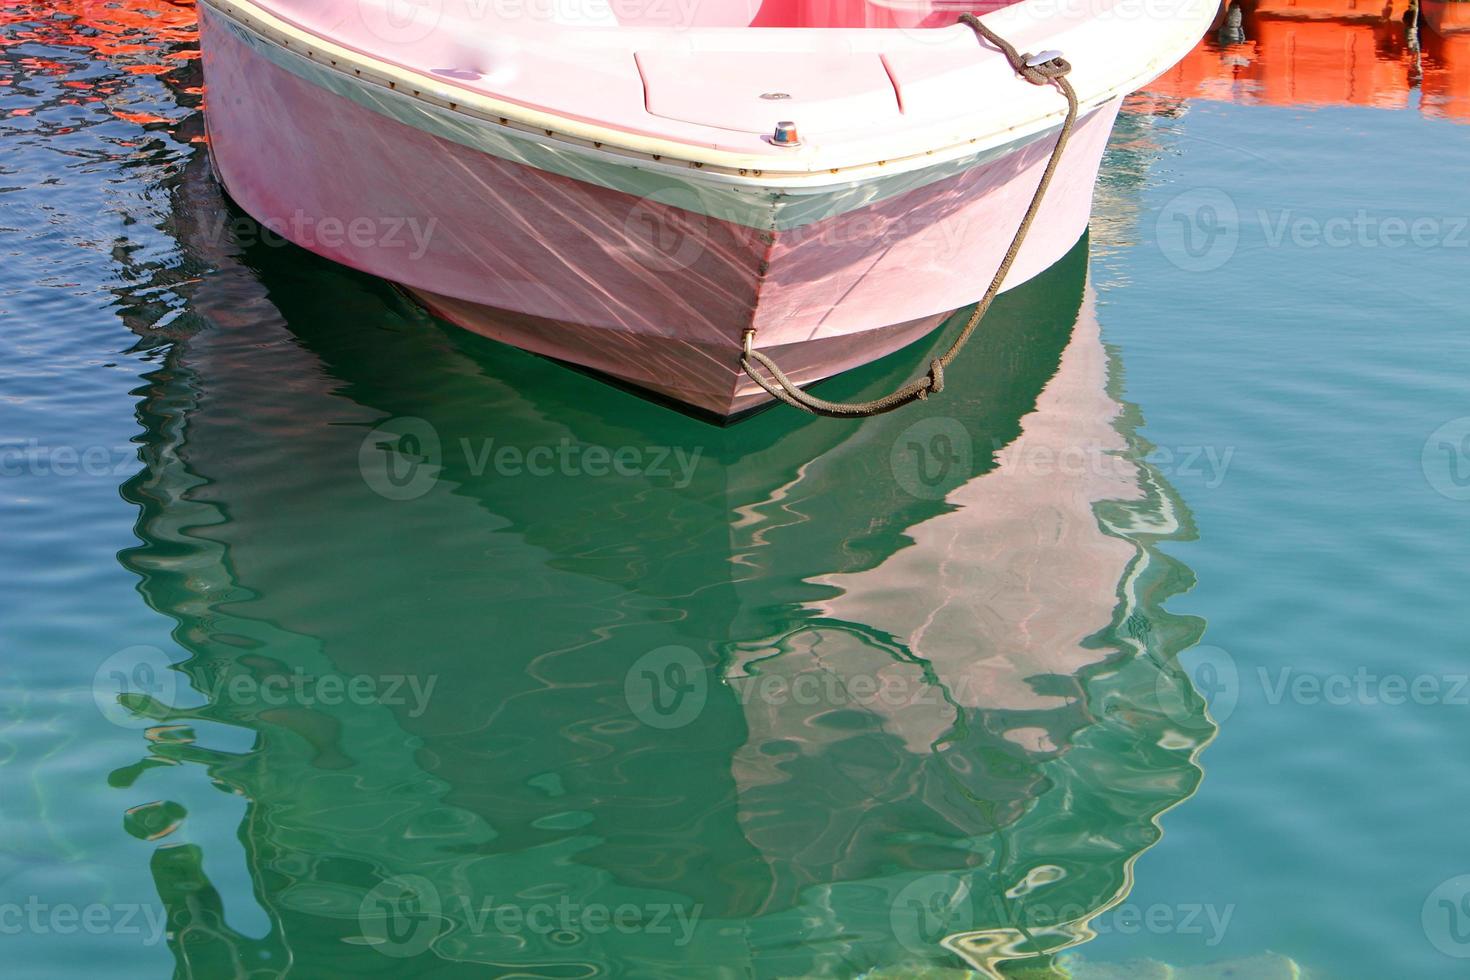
column 1331, row 52
column 806, row 697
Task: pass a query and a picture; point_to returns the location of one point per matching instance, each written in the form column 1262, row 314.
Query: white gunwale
column 744, row 170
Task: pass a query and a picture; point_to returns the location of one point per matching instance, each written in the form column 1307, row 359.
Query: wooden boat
column 644, row 187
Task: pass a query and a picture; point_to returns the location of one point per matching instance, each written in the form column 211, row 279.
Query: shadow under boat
column 611, row 667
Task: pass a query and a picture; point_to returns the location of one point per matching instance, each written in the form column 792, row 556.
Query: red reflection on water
column 136, row 37
column 1447, row 47
column 134, row 30
column 1331, row 52
column 1292, row 52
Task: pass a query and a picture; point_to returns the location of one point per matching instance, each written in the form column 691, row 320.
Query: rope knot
column 1038, row 69
column 1041, row 69
column 936, row 377
column 1047, row 67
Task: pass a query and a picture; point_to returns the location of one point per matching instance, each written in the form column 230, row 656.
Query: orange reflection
column 1285, row 52
column 139, row 38
column 1446, row 85
column 1329, row 52
column 135, row 30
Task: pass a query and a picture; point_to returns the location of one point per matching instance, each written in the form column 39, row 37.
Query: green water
column 335, row 641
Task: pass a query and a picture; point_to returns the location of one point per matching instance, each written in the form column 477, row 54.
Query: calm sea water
column 334, row 641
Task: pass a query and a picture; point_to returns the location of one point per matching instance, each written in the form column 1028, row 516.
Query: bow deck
column 602, row 186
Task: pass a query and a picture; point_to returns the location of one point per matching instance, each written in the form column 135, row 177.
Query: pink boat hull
column 639, row 288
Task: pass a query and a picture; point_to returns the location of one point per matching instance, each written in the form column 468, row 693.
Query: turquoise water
column 336, row 641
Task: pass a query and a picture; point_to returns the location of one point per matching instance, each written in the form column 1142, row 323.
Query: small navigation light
column 785, row 134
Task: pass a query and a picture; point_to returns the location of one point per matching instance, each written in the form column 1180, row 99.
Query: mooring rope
column 1050, row 70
